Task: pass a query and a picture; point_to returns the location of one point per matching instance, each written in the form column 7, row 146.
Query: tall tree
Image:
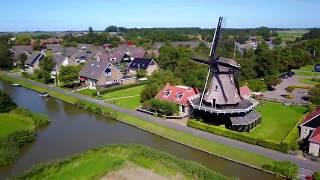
column 6, row 103
column 68, row 74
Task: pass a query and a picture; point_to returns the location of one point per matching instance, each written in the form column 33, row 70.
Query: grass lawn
column 290, row 35
column 306, row 71
column 98, row 163
column 11, row 123
column 277, row 120
column 88, row 92
column 310, row 81
column 127, row 98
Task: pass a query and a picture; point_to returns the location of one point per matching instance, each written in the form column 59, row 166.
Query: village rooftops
column 140, row 63
column 35, row 56
column 176, row 94
column 22, row 49
column 55, row 48
column 94, row 69
column 58, row 60
column 309, row 117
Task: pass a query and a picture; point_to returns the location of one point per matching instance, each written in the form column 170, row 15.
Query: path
column 306, row 166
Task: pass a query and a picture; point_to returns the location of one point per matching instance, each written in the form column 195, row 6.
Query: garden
column 278, row 129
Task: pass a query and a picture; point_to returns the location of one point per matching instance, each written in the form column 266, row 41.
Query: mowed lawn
column 306, row 71
column 11, row 123
column 126, row 98
column 277, row 120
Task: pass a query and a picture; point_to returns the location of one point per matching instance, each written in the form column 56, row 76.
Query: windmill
column 223, row 88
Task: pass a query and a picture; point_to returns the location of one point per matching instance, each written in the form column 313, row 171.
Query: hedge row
column 117, row 88
column 283, row 147
column 95, row 108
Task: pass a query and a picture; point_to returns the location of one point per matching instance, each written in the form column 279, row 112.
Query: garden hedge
column 283, row 147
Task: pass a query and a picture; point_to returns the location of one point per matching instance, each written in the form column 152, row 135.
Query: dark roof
column 119, row 52
column 94, row 69
column 69, row 51
column 140, row 63
column 246, row 119
column 58, row 60
column 55, row 48
column 35, row 56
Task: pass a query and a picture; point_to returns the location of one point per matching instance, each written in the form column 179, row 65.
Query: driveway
column 298, row 95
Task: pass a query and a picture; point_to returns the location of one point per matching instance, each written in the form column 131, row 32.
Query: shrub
column 6, row 103
column 283, row 147
column 290, row 89
column 257, row 85
column 284, row 168
column 141, row 73
column 316, row 175
column 315, row 95
column 161, row 107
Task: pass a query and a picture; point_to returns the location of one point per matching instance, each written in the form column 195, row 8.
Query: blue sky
column 29, row 15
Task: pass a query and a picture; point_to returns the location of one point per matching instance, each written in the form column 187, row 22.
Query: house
column 55, row 48
column 149, row 65
column 32, row 63
column 60, row 61
column 310, row 131
column 122, row 53
column 18, row 50
column 99, row 73
column 178, row 95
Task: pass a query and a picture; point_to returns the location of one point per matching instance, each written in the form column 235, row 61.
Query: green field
column 290, row 35
column 127, row 98
column 17, row 129
column 277, row 120
column 87, row 92
column 306, row 71
column 310, row 81
column 99, row 163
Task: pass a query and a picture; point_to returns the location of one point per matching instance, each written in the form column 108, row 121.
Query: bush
column 284, row 168
column 316, row 175
column 141, row 73
column 256, row 85
column 161, row 107
column 6, row 103
column 315, row 95
column 290, row 89
column 283, row 147
column 95, row 108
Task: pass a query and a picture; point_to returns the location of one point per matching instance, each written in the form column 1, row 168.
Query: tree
column 68, row 74
column 6, row 103
column 315, row 94
column 36, row 45
column 112, row 29
column 5, row 57
column 23, row 40
column 141, row 73
column 45, row 65
column 170, row 56
column 264, row 32
column 90, row 31
column 22, row 59
column 312, row 34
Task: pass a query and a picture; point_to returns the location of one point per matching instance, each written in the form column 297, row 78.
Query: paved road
column 306, row 166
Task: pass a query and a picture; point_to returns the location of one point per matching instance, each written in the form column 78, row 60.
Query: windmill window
column 216, row 88
column 166, row 93
column 179, row 96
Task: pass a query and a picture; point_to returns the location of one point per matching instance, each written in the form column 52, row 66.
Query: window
column 166, row 93
column 216, row 88
column 179, row 96
column 108, row 71
column 92, row 64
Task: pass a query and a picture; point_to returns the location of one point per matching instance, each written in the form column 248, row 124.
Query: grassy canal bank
column 235, row 154
column 17, row 128
column 121, row 161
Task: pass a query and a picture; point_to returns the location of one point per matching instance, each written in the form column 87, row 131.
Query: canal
column 73, row 130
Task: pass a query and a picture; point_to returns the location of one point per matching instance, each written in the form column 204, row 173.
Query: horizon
column 99, row 14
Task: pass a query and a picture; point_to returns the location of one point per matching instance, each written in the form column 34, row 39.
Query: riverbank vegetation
column 109, row 160
column 283, row 168
column 278, row 129
column 17, row 128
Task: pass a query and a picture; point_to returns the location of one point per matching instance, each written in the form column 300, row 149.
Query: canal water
column 73, row 130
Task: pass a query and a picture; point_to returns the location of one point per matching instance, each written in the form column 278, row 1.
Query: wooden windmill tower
column 221, row 95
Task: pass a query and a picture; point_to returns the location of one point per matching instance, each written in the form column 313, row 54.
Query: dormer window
column 166, row 93
column 179, row 96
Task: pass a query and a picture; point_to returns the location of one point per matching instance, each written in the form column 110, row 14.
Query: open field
column 277, row 120
column 310, row 81
column 133, row 161
column 290, row 35
column 11, row 123
column 126, row 98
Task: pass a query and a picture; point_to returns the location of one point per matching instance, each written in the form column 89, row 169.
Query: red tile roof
column 311, row 115
column 245, row 91
column 173, row 91
column 315, row 136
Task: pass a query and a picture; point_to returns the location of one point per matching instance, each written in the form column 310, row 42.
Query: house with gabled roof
column 59, row 61
column 178, row 95
column 32, row 63
column 99, row 73
column 149, row 65
column 18, row 50
column 310, row 131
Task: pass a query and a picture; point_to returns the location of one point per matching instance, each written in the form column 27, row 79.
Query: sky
column 62, row 15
